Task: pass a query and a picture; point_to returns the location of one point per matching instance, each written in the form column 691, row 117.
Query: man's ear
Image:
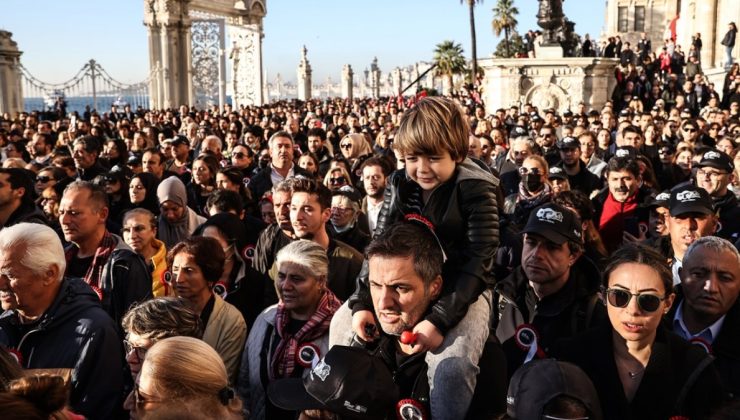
column 19, row 192
column 326, row 214
column 435, row 288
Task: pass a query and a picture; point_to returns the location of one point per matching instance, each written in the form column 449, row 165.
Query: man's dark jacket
column 262, row 182
column 566, row 313
column 725, row 348
column 74, row 333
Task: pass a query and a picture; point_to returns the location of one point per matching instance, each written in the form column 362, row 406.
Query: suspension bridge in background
column 91, row 86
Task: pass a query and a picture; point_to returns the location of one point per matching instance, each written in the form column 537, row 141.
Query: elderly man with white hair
column 52, row 321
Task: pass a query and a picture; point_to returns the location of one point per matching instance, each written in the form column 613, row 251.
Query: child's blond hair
column 434, row 125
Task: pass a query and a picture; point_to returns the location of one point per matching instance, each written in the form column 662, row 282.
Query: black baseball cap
column 568, row 143
column 690, row 199
column 717, row 159
column 660, row 200
column 557, row 172
column 568, row 113
column 538, row 382
column 348, row 381
column 625, row 152
column 625, row 113
column 349, row 192
column 177, row 140
column 555, row 223
column 519, row 131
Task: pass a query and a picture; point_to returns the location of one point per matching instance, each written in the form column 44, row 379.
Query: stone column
column 304, row 76
column 375, row 79
column 347, row 74
column 11, row 94
column 155, row 54
column 396, row 81
column 706, row 25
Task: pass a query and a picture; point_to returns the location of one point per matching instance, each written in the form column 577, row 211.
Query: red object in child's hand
column 408, row 338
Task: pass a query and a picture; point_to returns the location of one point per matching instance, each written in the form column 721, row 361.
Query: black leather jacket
column 465, row 216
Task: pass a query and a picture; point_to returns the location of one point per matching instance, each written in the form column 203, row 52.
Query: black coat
column 262, row 181
column 671, row 363
column 725, row 348
column 465, row 216
column 74, row 333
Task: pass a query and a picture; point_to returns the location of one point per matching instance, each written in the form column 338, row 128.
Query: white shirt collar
column 709, row 333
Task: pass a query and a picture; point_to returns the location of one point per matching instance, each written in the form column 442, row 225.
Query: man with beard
column 40, row 148
column 618, row 208
column 579, row 177
column 547, row 141
column 310, row 210
column 715, row 174
column 375, row 171
column 316, row 140
column 691, row 216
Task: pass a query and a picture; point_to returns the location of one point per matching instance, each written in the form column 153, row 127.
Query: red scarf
column 101, row 256
column 611, row 223
column 283, row 360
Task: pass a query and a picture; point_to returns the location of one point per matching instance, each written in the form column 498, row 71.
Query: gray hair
column 714, row 243
column 524, row 139
column 140, row 211
column 307, row 254
column 42, row 247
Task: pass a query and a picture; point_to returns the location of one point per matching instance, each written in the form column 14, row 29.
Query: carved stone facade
column 11, row 93
column 547, row 83
column 628, row 18
column 172, row 68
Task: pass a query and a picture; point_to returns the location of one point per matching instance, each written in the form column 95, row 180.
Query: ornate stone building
column 11, row 95
column 710, row 18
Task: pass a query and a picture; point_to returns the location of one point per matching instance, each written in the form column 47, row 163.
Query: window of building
column 622, row 21
column 639, row 18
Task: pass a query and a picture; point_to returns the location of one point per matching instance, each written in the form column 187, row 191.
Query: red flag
column 672, row 27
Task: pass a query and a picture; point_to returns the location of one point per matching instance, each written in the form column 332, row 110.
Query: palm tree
column 474, row 49
column 449, row 60
column 504, row 20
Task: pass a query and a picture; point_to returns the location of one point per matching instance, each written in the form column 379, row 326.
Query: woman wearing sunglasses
column 337, row 178
column 640, row 369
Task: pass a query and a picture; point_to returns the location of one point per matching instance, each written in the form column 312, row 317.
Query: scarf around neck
column 284, row 358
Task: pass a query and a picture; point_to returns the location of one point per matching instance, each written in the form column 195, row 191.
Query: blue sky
column 58, row 37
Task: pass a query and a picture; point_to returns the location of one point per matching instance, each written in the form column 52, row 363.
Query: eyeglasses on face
column 341, row 210
column 44, row 179
column 139, row 351
column 240, row 155
column 534, row 171
column 338, row 180
column 346, row 146
column 620, row 298
column 710, row 174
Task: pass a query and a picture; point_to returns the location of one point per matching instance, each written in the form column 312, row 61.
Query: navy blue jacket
column 74, row 333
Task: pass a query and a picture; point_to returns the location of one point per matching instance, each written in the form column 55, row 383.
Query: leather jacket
column 465, row 218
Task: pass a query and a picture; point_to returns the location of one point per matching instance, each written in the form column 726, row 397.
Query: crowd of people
column 373, row 258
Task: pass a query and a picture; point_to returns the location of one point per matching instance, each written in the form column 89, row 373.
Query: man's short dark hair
column 207, row 253
column 409, row 239
column 631, row 129
column 158, row 152
column 312, row 186
column 385, row 165
column 46, row 137
column 20, row 178
column 317, row 132
column 617, row 164
column 225, row 201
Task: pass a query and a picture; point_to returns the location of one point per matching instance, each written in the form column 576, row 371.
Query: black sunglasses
column 346, row 146
column 44, row 179
column 524, row 170
column 338, row 180
column 620, row 298
column 240, row 155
